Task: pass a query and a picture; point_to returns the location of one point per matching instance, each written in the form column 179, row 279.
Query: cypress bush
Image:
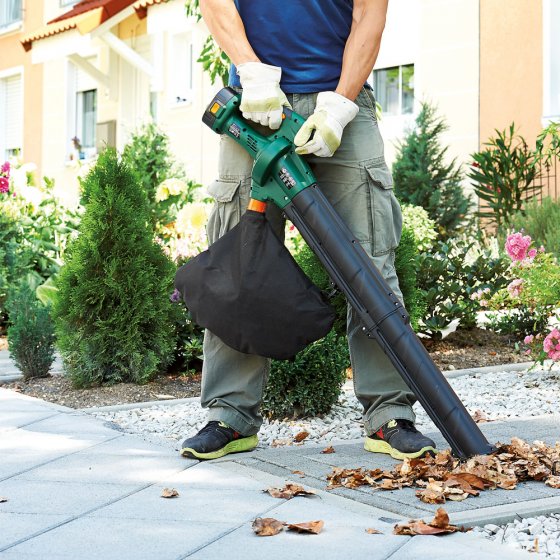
column 30, row 334
column 423, row 178
column 114, row 320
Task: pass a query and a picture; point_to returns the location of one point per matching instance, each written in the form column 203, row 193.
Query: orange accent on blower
column 257, row 206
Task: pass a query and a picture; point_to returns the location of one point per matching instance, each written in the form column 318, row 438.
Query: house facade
column 93, row 71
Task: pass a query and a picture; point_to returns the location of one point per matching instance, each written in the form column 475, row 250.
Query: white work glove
column 262, row 99
column 332, row 113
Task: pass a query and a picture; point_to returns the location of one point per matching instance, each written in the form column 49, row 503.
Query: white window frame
column 74, row 121
column 4, row 74
column 400, row 114
column 181, row 94
column 548, row 44
column 13, row 25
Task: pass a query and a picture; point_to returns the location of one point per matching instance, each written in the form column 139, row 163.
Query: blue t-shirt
column 306, row 38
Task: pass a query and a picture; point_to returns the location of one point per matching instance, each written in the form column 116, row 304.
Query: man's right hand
column 262, row 99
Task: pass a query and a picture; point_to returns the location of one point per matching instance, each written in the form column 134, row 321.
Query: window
column 11, row 116
column 394, row 89
column 86, row 118
column 82, row 113
column 182, row 69
column 10, row 12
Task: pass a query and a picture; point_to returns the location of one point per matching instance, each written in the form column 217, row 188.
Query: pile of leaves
column 444, row 477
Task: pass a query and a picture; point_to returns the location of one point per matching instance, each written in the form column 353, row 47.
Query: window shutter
column 13, row 136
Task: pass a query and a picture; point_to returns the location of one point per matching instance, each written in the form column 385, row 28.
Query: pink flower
column 541, row 249
column 532, row 254
column 517, row 245
column 515, row 288
column 527, row 352
column 551, row 344
column 528, row 339
column 5, row 169
column 483, row 303
column 4, row 185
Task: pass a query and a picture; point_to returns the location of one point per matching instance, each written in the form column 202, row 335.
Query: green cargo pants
column 358, row 184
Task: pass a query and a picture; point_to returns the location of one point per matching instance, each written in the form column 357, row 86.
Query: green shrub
column 148, row 154
column 540, row 221
column 503, row 174
column 448, row 276
column 520, row 321
column 423, row 178
column 419, row 222
column 406, row 266
column 31, row 333
column 310, row 385
column 113, row 316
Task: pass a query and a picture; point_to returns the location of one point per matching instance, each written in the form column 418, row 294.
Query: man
column 315, row 55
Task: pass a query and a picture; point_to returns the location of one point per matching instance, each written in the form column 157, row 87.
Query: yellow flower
column 191, row 217
column 162, row 193
column 170, row 187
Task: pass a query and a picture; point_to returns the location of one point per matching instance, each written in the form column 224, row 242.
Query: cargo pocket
column 227, row 208
column 385, row 210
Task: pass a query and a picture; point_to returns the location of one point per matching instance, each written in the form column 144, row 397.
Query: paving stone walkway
column 78, row 488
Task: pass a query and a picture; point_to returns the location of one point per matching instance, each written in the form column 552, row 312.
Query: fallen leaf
column 267, row 526
column 492, row 353
column 373, row 532
column 169, row 493
column 328, row 450
column 301, row 436
column 281, row 442
column 552, row 481
column 438, row 525
column 480, row 417
column 289, row 491
column 313, row 527
column 2, row 500
column 300, row 473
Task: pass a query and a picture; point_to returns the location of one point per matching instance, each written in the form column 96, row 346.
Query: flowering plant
column 5, row 178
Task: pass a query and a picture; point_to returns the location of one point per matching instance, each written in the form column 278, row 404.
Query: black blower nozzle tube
column 384, row 318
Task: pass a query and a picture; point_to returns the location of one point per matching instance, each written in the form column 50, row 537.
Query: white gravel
column 533, row 534
column 500, row 396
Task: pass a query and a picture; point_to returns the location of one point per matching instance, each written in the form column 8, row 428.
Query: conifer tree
column 423, row 177
column 113, row 316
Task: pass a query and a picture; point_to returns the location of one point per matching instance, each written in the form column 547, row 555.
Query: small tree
column 113, row 316
column 423, row 178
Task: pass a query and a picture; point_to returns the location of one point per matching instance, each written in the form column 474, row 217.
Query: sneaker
column 400, row 439
column 215, row 440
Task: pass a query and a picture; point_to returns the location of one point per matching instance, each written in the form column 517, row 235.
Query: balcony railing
column 10, row 12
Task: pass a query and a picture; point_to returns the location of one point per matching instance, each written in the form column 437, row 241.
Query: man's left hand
column 321, row 133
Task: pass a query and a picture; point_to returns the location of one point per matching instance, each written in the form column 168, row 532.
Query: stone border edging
column 146, row 404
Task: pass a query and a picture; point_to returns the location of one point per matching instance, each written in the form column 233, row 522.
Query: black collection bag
column 248, row 290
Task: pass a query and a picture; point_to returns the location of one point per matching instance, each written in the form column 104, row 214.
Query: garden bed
column 461, row 349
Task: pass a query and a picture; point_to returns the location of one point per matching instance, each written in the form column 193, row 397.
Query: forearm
column 362, row 46
column 225, row 25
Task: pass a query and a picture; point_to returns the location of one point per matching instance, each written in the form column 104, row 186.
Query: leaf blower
column 284, row 178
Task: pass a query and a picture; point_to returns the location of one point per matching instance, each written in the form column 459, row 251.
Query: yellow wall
column 13, row 55
column 511, row 76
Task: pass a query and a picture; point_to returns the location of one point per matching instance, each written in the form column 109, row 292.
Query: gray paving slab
column 89, row 538
column 18, row 525
column 58, row 498
column 18, row 419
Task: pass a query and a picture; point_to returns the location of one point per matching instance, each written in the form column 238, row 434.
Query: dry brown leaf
column 480, row 417
column 289, row 491
column 313, row 527
column 169, row 493
column 301, row 436
column 281, row 442
column 300, row 473
column 552, row 481
column 438, row 525
column 267, row 526
column 2, row 500
column 328, row 450
column 373, row 532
